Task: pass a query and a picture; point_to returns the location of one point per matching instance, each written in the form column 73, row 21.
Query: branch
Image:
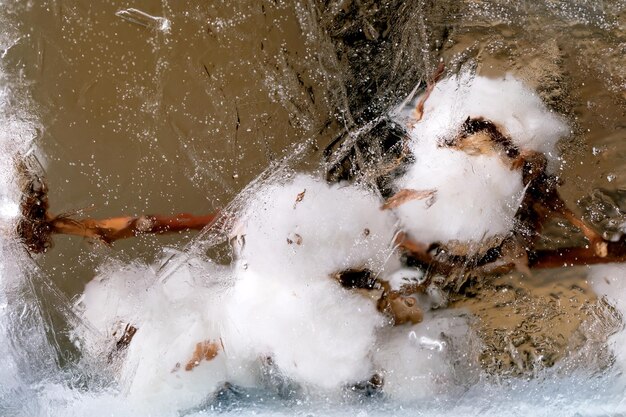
column 37, row 225
column 115, row 228
column 419, row 108
column 563, row 257
column 537, row 259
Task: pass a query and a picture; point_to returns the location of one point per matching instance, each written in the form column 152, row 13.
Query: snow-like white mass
column 278, row 306
column 473, row 195
column 307, row 227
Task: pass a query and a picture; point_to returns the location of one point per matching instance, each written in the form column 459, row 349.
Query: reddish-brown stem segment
column 554, row 258
column 538, row 259
column 115, row 228
column 419, row 108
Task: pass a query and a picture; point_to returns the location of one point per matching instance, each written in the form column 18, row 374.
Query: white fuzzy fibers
column 317, row 333
column 283, row 310
column 329, row 228
column 506, row 101
column 171, row 318
column 477, row 196
column 286, row 304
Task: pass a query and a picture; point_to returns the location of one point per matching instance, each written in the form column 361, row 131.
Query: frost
column 609, row 281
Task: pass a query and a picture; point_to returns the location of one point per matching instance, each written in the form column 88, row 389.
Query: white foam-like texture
column 476, row 196
column 506, row 101
column 329, row 228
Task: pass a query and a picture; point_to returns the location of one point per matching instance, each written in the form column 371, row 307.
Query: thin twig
column 116, row 228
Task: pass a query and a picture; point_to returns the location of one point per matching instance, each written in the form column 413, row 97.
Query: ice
column 289, row 340
column 417, row 362
column 144, row 19
column 609, row 281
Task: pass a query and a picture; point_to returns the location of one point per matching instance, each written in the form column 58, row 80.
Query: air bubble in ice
column 144, row 19
column 427, row 342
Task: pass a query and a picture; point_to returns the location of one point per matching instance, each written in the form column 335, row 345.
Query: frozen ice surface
column 144, row 19
column 609, row 281
column 187, row 307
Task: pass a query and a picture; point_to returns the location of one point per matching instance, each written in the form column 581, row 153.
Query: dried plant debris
column 126, row 337
column 406, row 195
column 34, row 227
column 37, row 225
column 204, row 351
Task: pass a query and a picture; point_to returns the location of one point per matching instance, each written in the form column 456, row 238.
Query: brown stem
column 538, row 259
column 115, row 228
column 562, row 257
column 419, row 108
column 37, row 225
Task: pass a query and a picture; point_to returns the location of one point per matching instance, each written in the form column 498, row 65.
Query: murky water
column 178, row 108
